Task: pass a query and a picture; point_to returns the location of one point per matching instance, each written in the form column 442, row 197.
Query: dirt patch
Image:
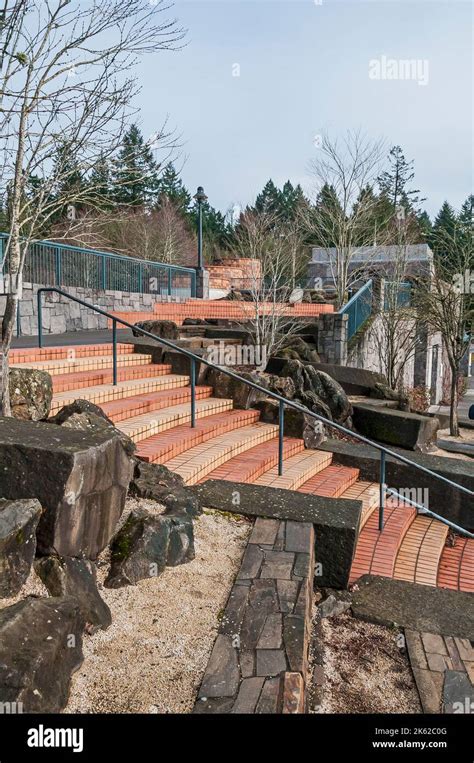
column 153, row 656
column 366, row 669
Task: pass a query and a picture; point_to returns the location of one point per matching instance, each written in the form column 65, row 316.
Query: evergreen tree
column 394, row 183
column 466, row 222
column 101, row 184
column 444, row 230
column 425, row 227
column 268, row 200
column 172, row 188
column 135, row 178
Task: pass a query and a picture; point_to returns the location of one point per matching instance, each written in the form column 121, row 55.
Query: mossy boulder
column 31, row 392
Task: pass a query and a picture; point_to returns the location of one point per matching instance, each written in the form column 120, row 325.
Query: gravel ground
column 365, row 670
column 153, row 656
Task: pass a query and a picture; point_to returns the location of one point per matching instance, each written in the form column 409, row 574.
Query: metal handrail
column 104, row 256
column 282, row 402
column 350, row 309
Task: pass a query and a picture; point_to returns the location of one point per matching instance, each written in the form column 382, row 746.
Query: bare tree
column 345, row 221
column 159, row 234
column 396, row 327
column 270, row 275
column 66, row 87
column 446, row 304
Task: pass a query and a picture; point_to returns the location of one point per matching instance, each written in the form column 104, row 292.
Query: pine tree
column 394, row 183
column 444, row 230
column 135, row 178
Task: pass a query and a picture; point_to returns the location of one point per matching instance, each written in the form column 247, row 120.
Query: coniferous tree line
column 142, row 209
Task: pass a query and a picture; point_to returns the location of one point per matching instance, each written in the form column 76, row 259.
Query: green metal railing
column 55, row 264
column 397, row 294
column 282, row 402
column 359, row 308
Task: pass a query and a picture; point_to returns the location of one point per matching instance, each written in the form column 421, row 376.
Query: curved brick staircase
column 152, row 406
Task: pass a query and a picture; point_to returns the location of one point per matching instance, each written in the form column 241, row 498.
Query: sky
column 258, row 80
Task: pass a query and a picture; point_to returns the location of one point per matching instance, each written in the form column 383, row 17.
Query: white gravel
column 153, row 656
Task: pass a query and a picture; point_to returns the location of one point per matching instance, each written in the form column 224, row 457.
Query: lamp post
column 200, row 197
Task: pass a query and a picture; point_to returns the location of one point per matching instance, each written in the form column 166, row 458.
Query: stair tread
column 297, row 470
column 376, row 551
column 81, row 379
column 248, row 466
column 331, row 482
column 105, row 392
column 75, row 364
column 164, row 446
column 456, row 566
column 420, row 551
column 120, row 410
column 26, row 354
column 201, row 459
column 146, row 424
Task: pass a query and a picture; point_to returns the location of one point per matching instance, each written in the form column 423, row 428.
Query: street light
column 200, row 197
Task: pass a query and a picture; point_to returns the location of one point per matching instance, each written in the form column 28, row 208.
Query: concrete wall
column 367, row 352
column 61, row 314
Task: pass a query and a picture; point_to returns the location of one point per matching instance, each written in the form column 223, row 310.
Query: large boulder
column 296, row 423
column 156, row 482
column 40, row 647
column 67, row 576
column 325, row 394
column 18, row 523
column 242, row 394
column 399, row 428
column 165, row 329
column 31, row 392
column 146, row 544
column 88, row 417
column 295, row 347
column 80, row 478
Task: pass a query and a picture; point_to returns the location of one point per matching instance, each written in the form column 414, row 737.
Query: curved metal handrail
column 282, row 401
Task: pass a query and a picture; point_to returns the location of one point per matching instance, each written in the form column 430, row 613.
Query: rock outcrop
column 146, row 544
column 67, row 576
column 81, row 479
column 165, row 329
column 88, row 417
column 156, row 482
column 31, row 392
column 18, row 522
column 40, row 647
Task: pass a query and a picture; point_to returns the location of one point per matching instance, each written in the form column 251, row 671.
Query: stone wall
column 61, row 314
column 332, row 338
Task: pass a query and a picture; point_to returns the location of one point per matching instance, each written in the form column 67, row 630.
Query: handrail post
column 193, row 391
column 40, row 320
column 281, row 427
column 58, row 266
column 170, row 272
column 104, row 272
column 114, row 350
column 382, row 490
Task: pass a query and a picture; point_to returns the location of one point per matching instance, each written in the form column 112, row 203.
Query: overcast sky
column 304, row 68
